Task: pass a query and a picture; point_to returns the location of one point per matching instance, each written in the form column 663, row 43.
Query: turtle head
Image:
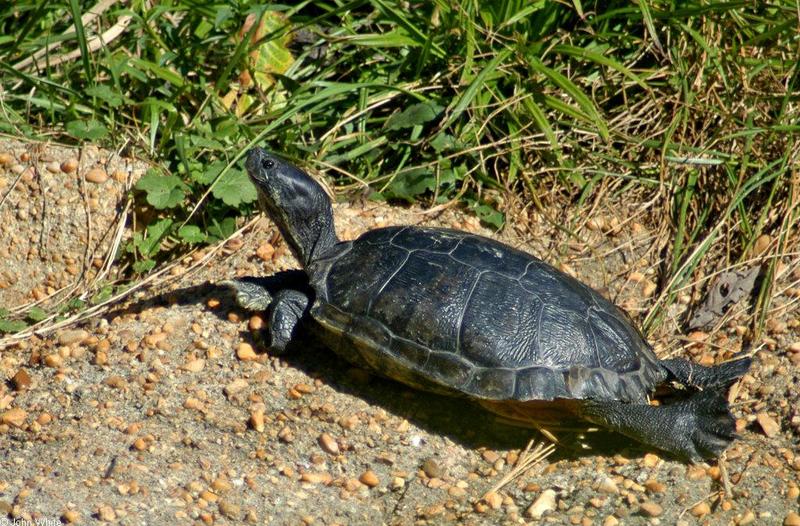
column 295, row 202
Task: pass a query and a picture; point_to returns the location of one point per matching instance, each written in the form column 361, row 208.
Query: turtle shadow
column 461, row 420
column 200, row 294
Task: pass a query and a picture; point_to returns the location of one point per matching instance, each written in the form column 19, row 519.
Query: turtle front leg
column 285, row 313
column 251, row 294
column 695, row 428
column 284, row 310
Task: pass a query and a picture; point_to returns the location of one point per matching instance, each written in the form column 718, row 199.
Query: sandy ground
column 159, row 410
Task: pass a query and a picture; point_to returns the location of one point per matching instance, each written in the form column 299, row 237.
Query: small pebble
column 792, row 519
column 610, row 521
column 106, row 513
column 194, row 366
column 432, row 468
column 700, row 510
column 257, row 420
column 74, row 336
column 607, row 485
column 316, row 478
column 53, row 360
column 235, row 386
column 651, row 509
column 96, row 175
column 655, row 486
column 14, row 417
column 245, row 352
column 265, row 252
column 651, row 460
column 490, row 456
column 494, row 500
column 71, row 517
column 328, row 444
column 21, row 380
column 369, row 479
column 69, row 166
column 545, row 503
column 230, row 510
column 6, row 159
column 255, row 323
column 768, row 424
column 748, row 517
column 221, row 485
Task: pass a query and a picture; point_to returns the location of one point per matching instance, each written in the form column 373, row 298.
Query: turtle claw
column 248, row 294
column 704, row 426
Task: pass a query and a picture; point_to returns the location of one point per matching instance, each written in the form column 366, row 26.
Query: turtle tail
column 699, row 376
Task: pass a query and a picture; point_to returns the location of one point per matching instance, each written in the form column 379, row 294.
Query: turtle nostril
column 267, row 163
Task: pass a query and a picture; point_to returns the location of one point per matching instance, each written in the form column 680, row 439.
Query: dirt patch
column 161, row 411
column 62, row 217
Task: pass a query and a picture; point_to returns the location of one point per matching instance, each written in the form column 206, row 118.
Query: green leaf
column 221, row 229
column 207, row 174
column 36, row 314
column 150, row 244
column 10, row 326
column 144, row 266
column 89, row 130
column 443, row 142
column 408, row 185
column 102, row 295
column 163, row 191
column 415, row 114
column 235, row 188
column 191, row 234
column 106, row 94
column 488, row 214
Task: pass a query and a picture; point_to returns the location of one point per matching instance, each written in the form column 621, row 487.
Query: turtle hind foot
column 697, row 427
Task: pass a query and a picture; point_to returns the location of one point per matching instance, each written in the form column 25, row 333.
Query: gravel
column 163, row 410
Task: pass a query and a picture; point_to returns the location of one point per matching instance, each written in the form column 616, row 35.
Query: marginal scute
column 493, row 384
column 413, row 354
column 448, row 368
column 539, row 383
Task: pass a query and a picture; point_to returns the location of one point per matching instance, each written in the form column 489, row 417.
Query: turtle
column 456, row 313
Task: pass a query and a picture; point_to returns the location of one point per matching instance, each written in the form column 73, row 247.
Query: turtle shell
column 451, row 312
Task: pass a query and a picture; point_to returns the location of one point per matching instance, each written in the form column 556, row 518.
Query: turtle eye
column 268, row 164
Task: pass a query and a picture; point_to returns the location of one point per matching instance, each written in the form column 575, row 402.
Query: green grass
column 696, row 102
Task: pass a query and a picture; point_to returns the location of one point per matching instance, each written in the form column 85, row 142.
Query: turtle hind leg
column 697, row 427
column 694, row 375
